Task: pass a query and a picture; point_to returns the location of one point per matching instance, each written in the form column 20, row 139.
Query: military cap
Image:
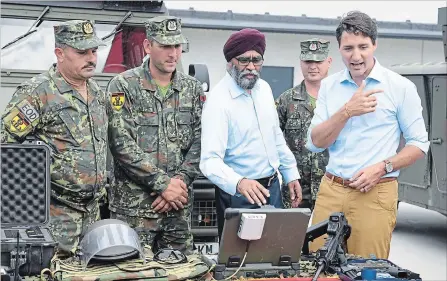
column 314, row 49
column 78, row 34
column 166, row 30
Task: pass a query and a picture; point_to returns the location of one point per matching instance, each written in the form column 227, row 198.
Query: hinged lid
column 25, row 184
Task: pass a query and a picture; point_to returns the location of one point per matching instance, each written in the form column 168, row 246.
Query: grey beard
column 244, row 82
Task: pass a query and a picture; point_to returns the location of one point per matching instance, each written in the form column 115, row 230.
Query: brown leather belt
column 346, row 183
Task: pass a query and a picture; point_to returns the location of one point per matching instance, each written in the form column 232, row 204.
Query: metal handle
column 436, row 141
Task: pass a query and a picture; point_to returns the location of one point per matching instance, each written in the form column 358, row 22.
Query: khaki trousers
column 371, row 215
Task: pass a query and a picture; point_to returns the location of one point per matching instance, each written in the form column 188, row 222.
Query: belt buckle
column 347, row 183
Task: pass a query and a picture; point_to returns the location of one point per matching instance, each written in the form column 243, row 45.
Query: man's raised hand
column 362, row 102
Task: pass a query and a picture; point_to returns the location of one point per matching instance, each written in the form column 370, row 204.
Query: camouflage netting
column 135, row 269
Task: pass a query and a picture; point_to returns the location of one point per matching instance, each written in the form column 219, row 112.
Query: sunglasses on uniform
column 244, row 61
column 170, row 256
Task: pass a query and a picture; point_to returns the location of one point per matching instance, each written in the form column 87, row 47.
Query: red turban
column 247, row 39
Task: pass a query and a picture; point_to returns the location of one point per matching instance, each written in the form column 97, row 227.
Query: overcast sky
column 416, row 11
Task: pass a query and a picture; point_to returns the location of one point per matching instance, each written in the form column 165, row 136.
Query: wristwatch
column 388, row 166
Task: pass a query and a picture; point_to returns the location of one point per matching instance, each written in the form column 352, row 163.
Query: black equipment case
column 27, row 245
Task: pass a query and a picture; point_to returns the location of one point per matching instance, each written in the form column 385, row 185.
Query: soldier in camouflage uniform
column 295, row 110
column 65, row 109
column 155, row 140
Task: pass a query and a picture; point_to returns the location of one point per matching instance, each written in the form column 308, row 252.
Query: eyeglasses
column 170, row 256
column 244, row 61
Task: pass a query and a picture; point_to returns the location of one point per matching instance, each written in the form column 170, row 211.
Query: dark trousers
column 225, row 200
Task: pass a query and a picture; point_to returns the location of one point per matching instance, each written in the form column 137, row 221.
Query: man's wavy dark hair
column 357, row 23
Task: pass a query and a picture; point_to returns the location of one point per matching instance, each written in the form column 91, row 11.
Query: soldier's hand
column 362, row 102
column 160, row 205
column 295, row 193
column 253, row 191
column 176, row 193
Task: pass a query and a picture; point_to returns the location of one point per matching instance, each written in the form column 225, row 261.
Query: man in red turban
column 249, row 41
column 243, row 147
column 245, row 40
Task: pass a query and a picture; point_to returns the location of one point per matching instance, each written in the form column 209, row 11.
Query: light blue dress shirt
column 241, row 136
column 373, row 137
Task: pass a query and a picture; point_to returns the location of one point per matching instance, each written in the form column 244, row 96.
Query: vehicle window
column 127, row 50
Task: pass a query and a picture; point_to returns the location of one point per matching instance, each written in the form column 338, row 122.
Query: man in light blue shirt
column 360, row 115
column 242, row 143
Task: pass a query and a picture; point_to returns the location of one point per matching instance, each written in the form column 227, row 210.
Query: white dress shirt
column 241, row 136
column 373, row 137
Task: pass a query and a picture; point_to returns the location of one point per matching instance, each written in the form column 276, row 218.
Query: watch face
column 389, row 167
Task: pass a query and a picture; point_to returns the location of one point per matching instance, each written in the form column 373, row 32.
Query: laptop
column 280, row 244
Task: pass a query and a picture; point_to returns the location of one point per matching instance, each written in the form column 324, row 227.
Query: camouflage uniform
column 153, row 138
column 295, row 112
column 49, row 109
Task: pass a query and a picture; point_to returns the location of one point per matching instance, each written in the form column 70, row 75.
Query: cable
column 242, row 262
column 240, row 266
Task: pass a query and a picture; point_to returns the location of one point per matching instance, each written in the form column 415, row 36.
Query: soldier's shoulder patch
column 18, row 123
column 28, row 111
column 22, row 118
column 202, row 99
column 117, row 99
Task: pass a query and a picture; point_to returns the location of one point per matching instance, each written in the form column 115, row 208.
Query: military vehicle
column 27, row 42
column 27, row 49
column 425, row 183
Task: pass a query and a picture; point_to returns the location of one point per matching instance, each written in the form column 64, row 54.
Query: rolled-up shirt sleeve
column 320, row 115
column 214, row 144
column 411, row 122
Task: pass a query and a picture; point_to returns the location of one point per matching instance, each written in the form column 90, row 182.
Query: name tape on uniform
column 28, row 111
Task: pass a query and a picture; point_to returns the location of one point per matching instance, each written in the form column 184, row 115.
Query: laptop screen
column 283, row 235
